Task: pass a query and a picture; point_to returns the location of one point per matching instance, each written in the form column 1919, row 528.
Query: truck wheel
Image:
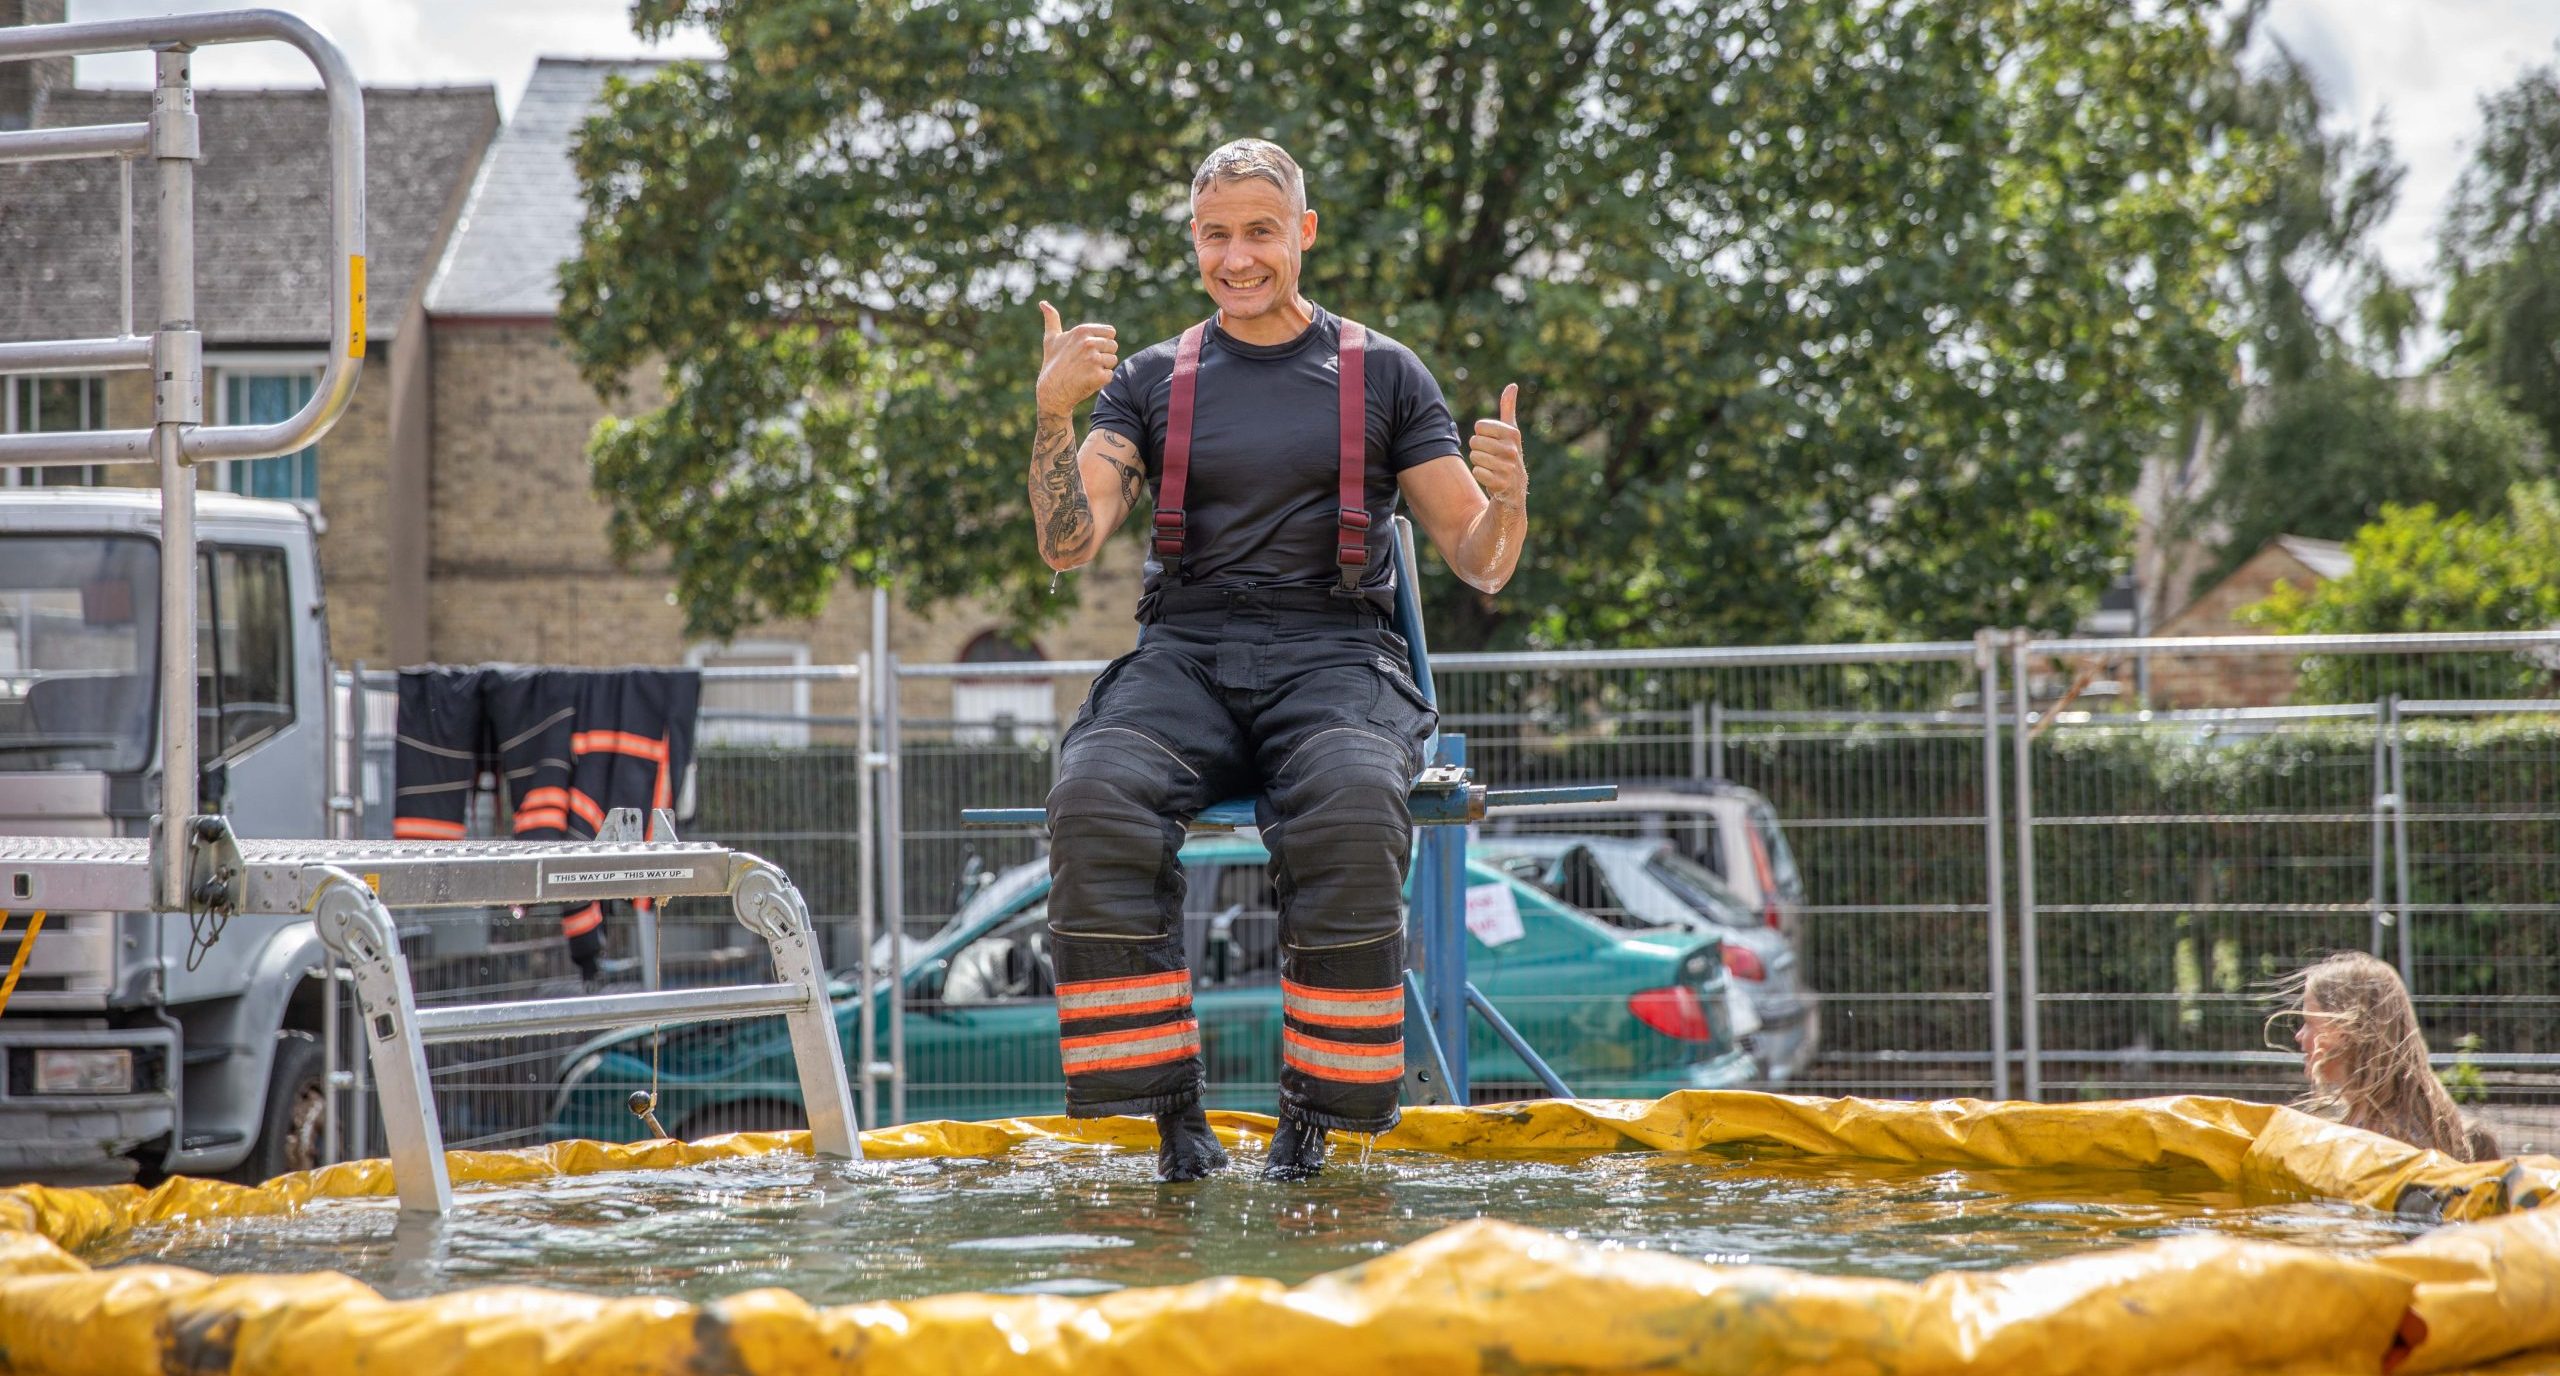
column 289, row 1132
column 150, row 1161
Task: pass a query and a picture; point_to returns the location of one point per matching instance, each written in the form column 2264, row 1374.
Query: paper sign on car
column 1493, row 914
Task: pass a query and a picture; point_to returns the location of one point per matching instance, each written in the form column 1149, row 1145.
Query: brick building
column 457, row 520
column 262, row 263
column 2242, row 680
column 512, row 418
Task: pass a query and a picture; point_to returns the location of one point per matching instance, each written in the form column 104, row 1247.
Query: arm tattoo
column 1059, row 511
column 1124, row 456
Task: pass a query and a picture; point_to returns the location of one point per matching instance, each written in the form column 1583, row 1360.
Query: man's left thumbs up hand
column 1493, row 451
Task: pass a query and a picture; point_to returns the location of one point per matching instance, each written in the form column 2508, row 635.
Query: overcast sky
column 2418, row 66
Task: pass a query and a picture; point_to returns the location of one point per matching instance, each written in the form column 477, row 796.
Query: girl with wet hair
column 2367, row 1061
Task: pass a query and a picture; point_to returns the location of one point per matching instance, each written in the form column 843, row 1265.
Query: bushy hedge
column 2181, row 873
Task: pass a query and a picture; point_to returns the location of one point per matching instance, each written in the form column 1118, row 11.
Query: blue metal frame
column 1437, row 924
column 1519, row 1045
column 1437, row 991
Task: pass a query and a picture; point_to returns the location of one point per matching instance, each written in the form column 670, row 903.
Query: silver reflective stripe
column 1386, row 1003
column 1186, row 1039
column 1098, row 1001
column 1330, row 1055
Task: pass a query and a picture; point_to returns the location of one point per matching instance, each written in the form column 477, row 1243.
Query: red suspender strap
column 1177, row 449
column 1351, row 516
column 1351, row 530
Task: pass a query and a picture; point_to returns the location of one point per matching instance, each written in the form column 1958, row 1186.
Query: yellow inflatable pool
column 2482, row 1293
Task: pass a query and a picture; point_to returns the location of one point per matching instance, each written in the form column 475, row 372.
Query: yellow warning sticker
column 373, row 881
column 355, row 305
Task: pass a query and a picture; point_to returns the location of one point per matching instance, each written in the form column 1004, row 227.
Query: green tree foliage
column 2502, row 250
column 1829, row 315
column 2311, row 234
column 2420, row 570
column 2330, row 450
column 2319, row 437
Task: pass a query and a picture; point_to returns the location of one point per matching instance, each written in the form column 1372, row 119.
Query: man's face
column 1249, row 245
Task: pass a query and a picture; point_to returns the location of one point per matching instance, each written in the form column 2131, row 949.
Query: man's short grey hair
column 1253, row 159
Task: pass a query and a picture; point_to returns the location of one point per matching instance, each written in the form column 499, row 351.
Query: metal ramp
column 192, row 864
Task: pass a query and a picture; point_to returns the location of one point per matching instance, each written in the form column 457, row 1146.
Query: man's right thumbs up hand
column 1074, row 364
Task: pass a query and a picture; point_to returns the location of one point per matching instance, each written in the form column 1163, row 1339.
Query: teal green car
column 1617, row 1013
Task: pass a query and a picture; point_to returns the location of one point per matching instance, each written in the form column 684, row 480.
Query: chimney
column 24, row 85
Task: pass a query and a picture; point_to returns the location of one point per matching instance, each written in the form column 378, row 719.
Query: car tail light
column 1742, row 964
column 1674, row 1011
column 1768, row 880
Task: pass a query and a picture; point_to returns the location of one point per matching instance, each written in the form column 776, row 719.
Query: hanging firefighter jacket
column 567, row 746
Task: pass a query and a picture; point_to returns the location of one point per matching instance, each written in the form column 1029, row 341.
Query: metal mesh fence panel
column 1873, row 764
column 2198, row 819
column 2474, row 882
column 2388, row 794
column 944, row 767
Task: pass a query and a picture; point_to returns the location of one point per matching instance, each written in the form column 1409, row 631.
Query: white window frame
column 13, row 475
column 783, row 733
column 969, row 728
column 219, row 367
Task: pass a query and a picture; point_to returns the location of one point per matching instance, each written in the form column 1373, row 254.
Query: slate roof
column 521, row 222
column 262, row 229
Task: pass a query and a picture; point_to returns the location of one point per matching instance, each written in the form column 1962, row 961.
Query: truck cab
column 182, row 1046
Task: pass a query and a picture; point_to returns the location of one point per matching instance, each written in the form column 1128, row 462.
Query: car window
column 1701, row 890
column 1005, row 965
column 1231, row 925
column 1703, row 840
column 1008, row 889
column 1581, row 882
column 1782, row 861
column 1527, row 868
column 244, row 647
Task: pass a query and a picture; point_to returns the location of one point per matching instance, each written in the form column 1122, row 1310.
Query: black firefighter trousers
column 1303, row 700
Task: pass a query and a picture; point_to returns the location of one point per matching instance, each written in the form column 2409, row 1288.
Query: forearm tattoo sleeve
column 1059, row 511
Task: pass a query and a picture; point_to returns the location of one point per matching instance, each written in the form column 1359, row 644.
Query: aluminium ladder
column 191, row 863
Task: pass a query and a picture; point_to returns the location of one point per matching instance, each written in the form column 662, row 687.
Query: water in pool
column 1068, row 1219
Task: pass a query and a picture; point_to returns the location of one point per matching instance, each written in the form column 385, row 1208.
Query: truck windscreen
column 79, row 651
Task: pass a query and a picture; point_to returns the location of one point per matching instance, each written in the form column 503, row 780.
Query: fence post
column 1715, row 740
column 1986, row 658
column 866, row 910
column 2383, row 802
column 1440, row 911
column 893, row 864
column 2400, row 842
column 1698, row 758
column 2030, row 1024
column 893, row 891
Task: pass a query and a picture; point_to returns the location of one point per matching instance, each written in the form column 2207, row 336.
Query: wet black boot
column 1185, row 1147
column 1297, row 1151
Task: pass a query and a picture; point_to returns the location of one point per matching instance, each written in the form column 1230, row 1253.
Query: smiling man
column 1276, row 439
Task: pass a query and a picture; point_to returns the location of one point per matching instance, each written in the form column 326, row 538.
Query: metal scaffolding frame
column 192, row 864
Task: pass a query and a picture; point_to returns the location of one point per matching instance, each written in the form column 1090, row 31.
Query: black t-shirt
column 1266, row 450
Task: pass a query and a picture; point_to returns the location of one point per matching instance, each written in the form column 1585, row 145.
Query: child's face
column 2318, row 1039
